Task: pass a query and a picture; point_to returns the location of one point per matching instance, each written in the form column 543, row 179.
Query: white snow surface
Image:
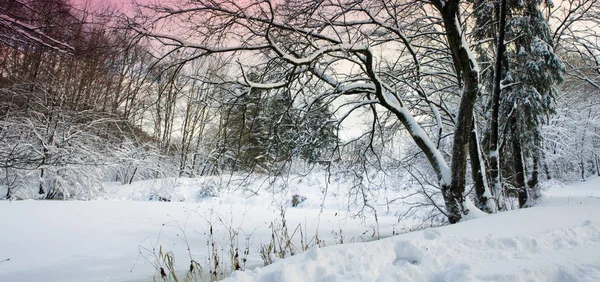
column 558, row 240
column 108, row 240
column 115, row 239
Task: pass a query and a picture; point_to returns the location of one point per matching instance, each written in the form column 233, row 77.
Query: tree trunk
column 545, row 164
column 534, row 180
column 493, row 154
column 467, row 69
column 482, row 192
column 41, row 188
column 582, row 167
column 582, row 155
column 519, row 171
column 132, row 175
column 8, row 185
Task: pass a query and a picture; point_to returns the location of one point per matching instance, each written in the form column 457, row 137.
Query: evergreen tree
column 241, row 141
column 266, row 128
column 533, row 72
column 319, row 133
column 280, row 119
column 529, row 72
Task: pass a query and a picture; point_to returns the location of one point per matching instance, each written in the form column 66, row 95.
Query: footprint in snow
column 407, row 253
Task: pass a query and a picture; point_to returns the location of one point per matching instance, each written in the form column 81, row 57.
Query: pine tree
column 529, row 71
column 533, row 72
column 242, row 132
column 266, row 128
column 319, row 135
column 280, row 119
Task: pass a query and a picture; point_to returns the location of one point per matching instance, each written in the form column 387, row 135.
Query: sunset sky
column 120, row 4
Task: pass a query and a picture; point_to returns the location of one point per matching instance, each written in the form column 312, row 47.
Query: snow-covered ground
column 113, row 240
column 118, row 238
column 558, row 240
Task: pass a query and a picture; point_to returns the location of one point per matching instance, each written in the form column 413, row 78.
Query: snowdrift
column 558, row 240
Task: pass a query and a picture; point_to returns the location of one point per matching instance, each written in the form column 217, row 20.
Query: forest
column 94, row 95
column 471, row 105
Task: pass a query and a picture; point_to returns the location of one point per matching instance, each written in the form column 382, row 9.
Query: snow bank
column 558, row 241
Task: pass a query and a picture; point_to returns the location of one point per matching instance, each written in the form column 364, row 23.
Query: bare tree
column 343, row 44
column 66, row 82
column 35, row 22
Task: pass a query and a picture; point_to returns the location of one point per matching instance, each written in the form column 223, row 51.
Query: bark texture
column 467, row 70
column 493, row 154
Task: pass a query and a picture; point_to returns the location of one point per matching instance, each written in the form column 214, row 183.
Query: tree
column 484, row 12
column 313, row 40
column 534, row 69
column 574, row 24
column 318, row 134
column 64, row 77
column 267, row 128
column 242, row 132
column 523, row 88
column 35, row 22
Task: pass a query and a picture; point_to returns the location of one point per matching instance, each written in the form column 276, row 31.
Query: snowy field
column 118, row 239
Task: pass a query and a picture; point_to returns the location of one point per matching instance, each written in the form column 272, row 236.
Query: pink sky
column 119, row 4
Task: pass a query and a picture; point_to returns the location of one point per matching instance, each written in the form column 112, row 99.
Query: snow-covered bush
column 53, row 153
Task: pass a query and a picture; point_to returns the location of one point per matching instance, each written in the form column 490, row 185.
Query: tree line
column 474, row 84
column 484, row 97
column 84, row 101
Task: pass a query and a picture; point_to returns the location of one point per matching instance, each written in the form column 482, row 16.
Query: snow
column 416, row 130
column 464, row 44
column 108, row 240
column 33, row 33
column 112, row 239
column 343, row 47
column 474, row 212
column 556, row 241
